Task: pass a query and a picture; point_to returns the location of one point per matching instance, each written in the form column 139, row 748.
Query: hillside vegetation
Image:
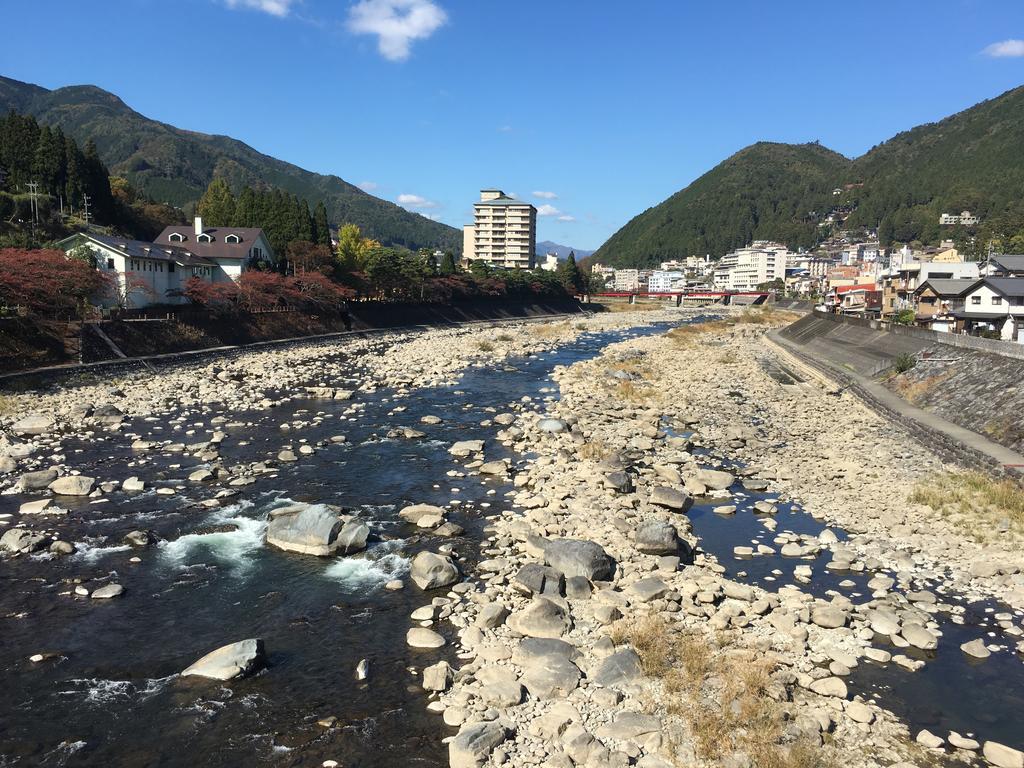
column 973, row 161
column 174, row 166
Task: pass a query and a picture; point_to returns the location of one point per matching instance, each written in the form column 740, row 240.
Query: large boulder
column 304, row 528
column 353, row 537
column 73, row 485
column 579, row 557
column 229, row 661
column 431, row 571
column 473, row 744
column 33, row 425
column 537, row 579
column 109, row 415
column 36, row 481
column 621, row 668
column 21, row 540
column 465, row 448
column 656, row 537
column 414, row 512
column 1002, row 756
column 541, row 618
column 550, row 676
column 715, row 479
column 670, row 498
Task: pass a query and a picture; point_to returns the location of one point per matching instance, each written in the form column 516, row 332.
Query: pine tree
column 569, row 274
column 75, row 181
column 217, row 205
column 97, row 185
column 303, row 221
column 46, row 163
column 447, row 264
column 244, row 214
column 321, row 228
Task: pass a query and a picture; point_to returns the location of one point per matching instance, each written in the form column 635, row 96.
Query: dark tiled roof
column 1011, row 262
column 140, row 249
column 948, row 287
column 1007, row 286
column 218, row 248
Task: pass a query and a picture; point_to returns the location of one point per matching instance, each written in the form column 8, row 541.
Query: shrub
column 47, row 282
column 904, row 362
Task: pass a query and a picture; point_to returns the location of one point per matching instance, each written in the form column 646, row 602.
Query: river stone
column 287, row 456
column 414, row 512
column 36, row 507
column 829, row 686
column 860, row 712
column 620, row 668
column 108, row 591
column 473, row 744
column 21, row 540
column 421, row 637
column 502, row 693
column 304, row 528
column 531, row 648
column 492, row 468
column 578, row 588
column 618, row 481
column 139, row 539
column 629, row 726
column 464, row 448
column 579, row 557
column 437, row 677
column 976, row 648
column 229, row 661
column 1002, row 756
column 37, row 481
column 541, row 618
column 492, row 616
column 33, row 425
column 537, row 579
column 715, row 479
column 828, row 617
column 550, row 676
column 929, row 740
column 884, row 623
column 7, row 465
column 919, row 637
column 552, row 425
column 431, row 571
column 62, row 547
column 648, row 589
column 962, row 742
column 353, row 537
column 656, row 537
column 670, row 498
column 134, row 485
column 73, row 485
column 109, row 415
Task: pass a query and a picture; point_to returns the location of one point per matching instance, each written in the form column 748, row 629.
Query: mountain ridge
column 174, row 165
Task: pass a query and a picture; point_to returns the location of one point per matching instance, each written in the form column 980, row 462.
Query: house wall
column 986, row 303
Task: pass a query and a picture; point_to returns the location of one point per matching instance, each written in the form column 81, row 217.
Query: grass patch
column 966, row 497
column 916, row 390
column 625, row 306
column 595, row 450
column 548, row 330
column 726, row 698
column 485, row 346
column 766, row 315
column 685, row 336
column 505, row 337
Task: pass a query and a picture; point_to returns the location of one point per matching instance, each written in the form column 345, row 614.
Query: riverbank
column 715, row 560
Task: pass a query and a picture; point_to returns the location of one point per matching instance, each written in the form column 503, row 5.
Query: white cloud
column 547, row 210
column 566, row 217
column 504, row 129
column 368, row 186
column 546, row 195
column 396, row 23
column 415, row 201
column 273, row 7
column 1006, row 49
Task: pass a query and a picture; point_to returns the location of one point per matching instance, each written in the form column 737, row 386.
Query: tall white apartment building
column 666, row 280
column 503, row 232
column 746, row 268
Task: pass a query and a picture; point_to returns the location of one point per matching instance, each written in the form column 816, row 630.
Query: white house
column 997, row 304
column 144, row 273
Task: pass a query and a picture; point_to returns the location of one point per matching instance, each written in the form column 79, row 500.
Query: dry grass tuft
column 548, row 330
column 967, row 497
column 914, row 390
column 595, row 450
column 485, row 346
column 686, row 336
column 767, row 315
column 726, row 698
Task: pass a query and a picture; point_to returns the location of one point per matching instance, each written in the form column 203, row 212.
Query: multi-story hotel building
column 503, row 232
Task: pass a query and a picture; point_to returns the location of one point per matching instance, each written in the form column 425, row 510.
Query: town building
column 994, row 304
column 939, row 300
column 665, row 281
column 626, row 280
column 964, row 219
column 858, row 299
column 746, row 268
column 900, row 283
column 143, row 273
column 503, row 233
column 1004, row 265
column 550, row 263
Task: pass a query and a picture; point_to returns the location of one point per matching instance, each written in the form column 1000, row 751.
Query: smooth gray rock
column 579, row 557
column 650, row 588
column 230, row 661
column 828, row 617
column 421, row 637
column 353, row 537
column 919, row 637
column 1002, row 756
column 21, row 540
column 537, row 579
column 108, row 415
column 73, row 485
column 552, row 425
column 491, row 616
column 531, row 648
column 107, row 592
column 578, row 588
column 656, row 537
column 829, row 686
column 715, row 479
column 620, row 668
column 431, row 571
column 541, row 618
column 628, row 726
column 33, row 425
column 304, row 528
column 550, row 676
column 464, row 448
column 473, row 744
column 670, row 498
column 437, row 677
column 38, row 480
column 139, row 539
column 414, row 512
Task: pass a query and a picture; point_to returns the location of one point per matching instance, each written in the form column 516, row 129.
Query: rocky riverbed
column 683, row 551
column 625, row 612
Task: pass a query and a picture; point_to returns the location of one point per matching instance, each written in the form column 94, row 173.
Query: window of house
column 204, row 238
column 170, row 266
column 975, row 299
column 110, row 263
column 232, row 239
column 176, row 237
column 997, row 300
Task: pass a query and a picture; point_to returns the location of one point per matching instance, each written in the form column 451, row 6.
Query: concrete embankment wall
column 977, row 384
column 364, row 318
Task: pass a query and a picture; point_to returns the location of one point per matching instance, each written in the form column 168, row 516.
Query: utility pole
column 85, row 207
column 33, row 188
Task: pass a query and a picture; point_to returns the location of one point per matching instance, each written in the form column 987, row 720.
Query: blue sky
column 608, row 106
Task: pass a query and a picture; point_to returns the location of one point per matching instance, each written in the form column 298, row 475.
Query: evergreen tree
column 217, row 205
column 47, row 161
column 75, row 176
column 303, row 221
column 447, row 266
column 101, row 202
column 569, row 274
column 321, row 228
column 245, row 212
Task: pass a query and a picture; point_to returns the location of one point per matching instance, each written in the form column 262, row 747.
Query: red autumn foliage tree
column 210, row 295
column 47, row 283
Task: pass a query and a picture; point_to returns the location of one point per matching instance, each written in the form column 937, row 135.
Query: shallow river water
column 111, row 695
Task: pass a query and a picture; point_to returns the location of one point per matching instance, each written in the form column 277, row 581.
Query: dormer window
column 232, row 239
column 204, row 238
column 176, row 237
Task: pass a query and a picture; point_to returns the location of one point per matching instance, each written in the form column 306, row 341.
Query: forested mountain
column 562, row 251
column 175, row 166
column 973, row 161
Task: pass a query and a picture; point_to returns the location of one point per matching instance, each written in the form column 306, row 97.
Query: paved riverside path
column 980, row 451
